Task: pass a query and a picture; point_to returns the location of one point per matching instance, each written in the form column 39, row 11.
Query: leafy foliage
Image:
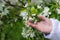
column 14, row 14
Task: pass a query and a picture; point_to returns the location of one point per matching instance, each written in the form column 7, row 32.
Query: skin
column 44, row 26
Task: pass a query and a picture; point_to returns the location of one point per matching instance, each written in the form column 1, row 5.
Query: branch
column 9, row 4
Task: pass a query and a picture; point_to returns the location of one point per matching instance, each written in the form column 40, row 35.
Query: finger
column 31, row 24
column 42, row 18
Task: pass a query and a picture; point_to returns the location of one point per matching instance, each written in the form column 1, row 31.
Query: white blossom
column 5, row 12
column 35, row 22
column 32, row 34
column 27, row 33
column 36, row 1
column 33, row 14
column 49, row 13
column 47, row 1
column 58, row 1
column 38, row 6
column 1, row 6
column 23, row 14
column 45, row 12
column 15, row 19
column 46, row 9
column 31, row 19
column 26, row 5
column 58, row 10
column 13, row 1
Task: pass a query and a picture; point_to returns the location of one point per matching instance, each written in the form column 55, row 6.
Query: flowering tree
column 15, row 13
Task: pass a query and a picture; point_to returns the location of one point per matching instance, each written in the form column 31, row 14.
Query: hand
column 44, row 26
